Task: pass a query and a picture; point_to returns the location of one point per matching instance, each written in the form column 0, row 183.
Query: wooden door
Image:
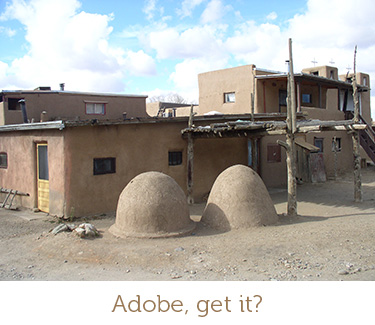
column 43, row 177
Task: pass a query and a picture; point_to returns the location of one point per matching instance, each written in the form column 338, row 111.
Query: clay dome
column 239, row 199
column 152, row 205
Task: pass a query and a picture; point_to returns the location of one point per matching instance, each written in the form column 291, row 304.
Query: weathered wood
column 355, row 138
column 335, row 149
column 357, row 168
column 290, row 143
column 5, row 190
column 190, row 160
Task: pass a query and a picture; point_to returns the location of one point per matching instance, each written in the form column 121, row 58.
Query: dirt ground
column 332, row 239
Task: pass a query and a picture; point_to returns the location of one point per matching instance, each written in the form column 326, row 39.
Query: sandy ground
column 332, row 239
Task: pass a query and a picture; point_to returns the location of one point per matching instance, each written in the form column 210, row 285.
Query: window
column 104, row 166
column 306, row 99
column 13, row 104
column 365, row 81
column 336, row 146
column 95, row 108
column 315, row 73
column 174, row 158
column 229, row 97
column 331, row 74
column 273, row 153
column 318, row 142
column 3, row 160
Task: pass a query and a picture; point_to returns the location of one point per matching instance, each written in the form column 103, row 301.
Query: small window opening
column 318, row 142
column 229, row 97
column 174, row 158
column 3, row 160
column 336, row 145
column 306, row 98
column 13, row 104
column 365, row 81
column 273, row 153
column 104, row 166
column 315, row 73
column 95, row 108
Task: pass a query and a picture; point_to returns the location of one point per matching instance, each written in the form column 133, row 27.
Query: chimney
column 23, row 109
column 43, row 116
column 62, row 86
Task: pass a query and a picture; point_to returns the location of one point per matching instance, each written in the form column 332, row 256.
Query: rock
column 80, row 232
column 60, row 228
column 343, row 272
column 179, row 249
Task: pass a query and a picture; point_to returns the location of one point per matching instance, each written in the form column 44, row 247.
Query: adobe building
column 77, row 163
column 321, row 94
column 50, row 105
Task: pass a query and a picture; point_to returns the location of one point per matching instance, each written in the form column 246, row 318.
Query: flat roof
column 68, row 92
column 62, row 124
column 311, row 78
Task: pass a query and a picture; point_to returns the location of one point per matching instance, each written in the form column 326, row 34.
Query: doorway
column 43, row 177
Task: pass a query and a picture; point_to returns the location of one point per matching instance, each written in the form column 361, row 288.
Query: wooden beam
column 190, row 160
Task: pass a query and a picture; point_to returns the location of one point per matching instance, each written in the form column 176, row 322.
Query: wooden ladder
column 11, row 194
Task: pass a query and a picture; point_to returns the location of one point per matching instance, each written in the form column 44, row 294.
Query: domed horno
column 152, row 205
column 239, row 199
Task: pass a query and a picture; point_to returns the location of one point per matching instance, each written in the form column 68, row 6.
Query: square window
column 318, row 142
column 273, row 153
column 104, row 166
column 174, row 158
column 306, row 98
column 229, row 97
column 336, row 145
column 3, row 160
column 95, row 109
column 13, row 104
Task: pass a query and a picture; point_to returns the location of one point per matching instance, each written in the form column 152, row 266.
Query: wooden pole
column 355, row 138
column 190, row 160
column 290, row 143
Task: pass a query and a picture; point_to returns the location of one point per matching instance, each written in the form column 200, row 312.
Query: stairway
column 367, row 140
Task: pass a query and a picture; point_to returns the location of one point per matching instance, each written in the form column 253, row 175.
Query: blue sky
column 156, row 47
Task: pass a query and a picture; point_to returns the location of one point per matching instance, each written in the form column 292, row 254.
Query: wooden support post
column 190, row 160
column 355, row 139
column 335, row 149
column 290, row 143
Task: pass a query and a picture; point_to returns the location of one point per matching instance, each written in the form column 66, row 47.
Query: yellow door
column 43, row 177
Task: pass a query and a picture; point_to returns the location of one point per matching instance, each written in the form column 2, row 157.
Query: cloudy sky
column 159, row 46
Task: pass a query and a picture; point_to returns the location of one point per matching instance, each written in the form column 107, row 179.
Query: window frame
column 14, row 103
column 227, row 97
column 309, row 100
column 339, row 144
column 104, row 107
column 175, row 158
column 111, row 170
column 4, row 166
column 276, row 156
column 321, row 149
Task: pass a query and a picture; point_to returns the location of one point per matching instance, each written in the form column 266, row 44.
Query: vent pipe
column 23, row 109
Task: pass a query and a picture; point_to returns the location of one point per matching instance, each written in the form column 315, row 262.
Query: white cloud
column 198, row 41
column 70, row 46
column 7, row 31
column 272, row 16
column 185, row 76
column 187, row 7
column 214, row 12
column 151, row 7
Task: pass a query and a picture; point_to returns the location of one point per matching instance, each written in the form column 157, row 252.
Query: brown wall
column 213, row 85
column 68, row 105
column 21, row 173
column 137, row 149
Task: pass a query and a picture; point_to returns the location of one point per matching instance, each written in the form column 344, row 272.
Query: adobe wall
column 213, row 85
column 65, row 105
column 137, row 149
column 21, row 173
